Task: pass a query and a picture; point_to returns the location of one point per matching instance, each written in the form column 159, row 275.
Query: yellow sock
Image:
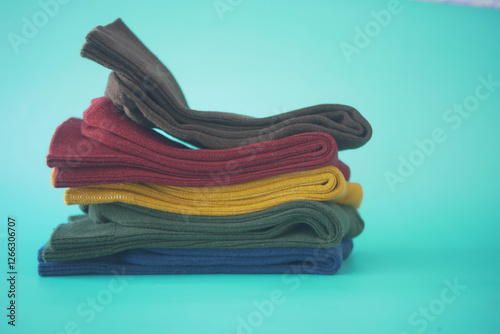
column 321, row 184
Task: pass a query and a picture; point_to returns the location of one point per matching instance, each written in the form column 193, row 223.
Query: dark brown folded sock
column 148, row 93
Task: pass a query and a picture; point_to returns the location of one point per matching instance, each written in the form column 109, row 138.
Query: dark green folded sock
column 114, row 227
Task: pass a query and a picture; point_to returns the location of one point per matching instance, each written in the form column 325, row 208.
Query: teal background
column 264, row 58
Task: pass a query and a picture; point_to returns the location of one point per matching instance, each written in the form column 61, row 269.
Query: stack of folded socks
column 261, row 195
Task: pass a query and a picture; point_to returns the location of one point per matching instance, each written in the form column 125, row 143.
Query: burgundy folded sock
column 148, row 93
column 108, row 148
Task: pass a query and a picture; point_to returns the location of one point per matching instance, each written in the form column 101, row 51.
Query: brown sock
column 148, row 93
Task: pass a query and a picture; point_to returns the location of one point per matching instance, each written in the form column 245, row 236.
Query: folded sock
column 321, row 261
column 148, row 93
column 320, row 184
column 107, row 148
column 115, row 227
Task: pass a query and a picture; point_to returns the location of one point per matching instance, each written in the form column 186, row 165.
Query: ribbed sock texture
column 148, row 93
column 115, row 227
column 106, row 147
column 262, row 195
column 321, row 184
column 324, row 261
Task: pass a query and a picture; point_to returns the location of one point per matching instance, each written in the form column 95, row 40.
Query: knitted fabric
column 148, row 93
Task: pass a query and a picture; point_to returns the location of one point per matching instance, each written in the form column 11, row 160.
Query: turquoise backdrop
column 427, row 77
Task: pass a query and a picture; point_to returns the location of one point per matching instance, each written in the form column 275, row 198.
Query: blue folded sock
column 159, row 261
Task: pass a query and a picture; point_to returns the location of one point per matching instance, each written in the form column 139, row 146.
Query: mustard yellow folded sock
column 320, row 184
